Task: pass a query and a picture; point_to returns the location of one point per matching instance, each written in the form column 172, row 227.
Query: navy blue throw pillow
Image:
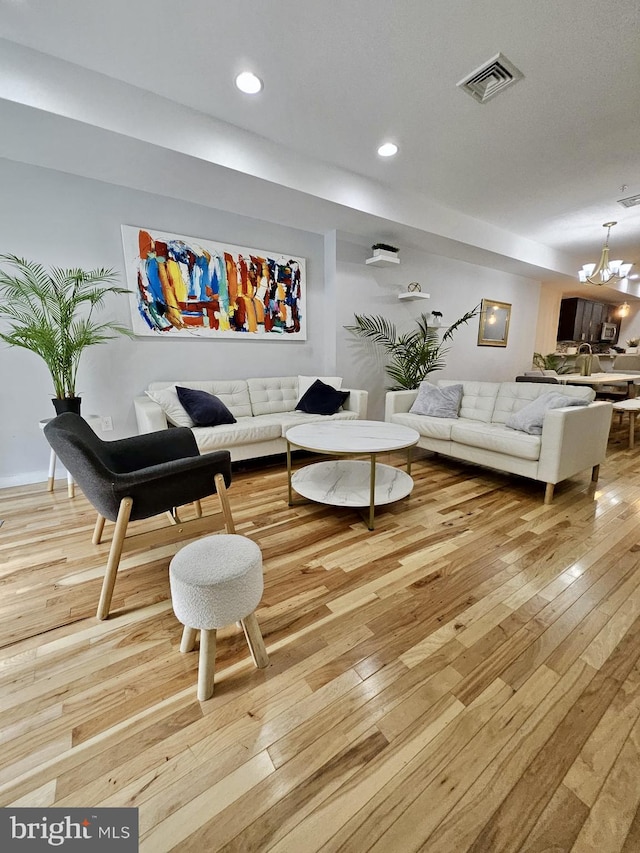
column 321, row 399
column 203, row 408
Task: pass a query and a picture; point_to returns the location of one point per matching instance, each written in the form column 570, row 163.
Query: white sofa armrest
column 573, row 439
column 356, row 402
column 398, row 401
column 149, row 415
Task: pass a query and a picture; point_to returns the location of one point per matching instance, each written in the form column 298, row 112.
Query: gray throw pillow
column 530, row 417
column 437, row 402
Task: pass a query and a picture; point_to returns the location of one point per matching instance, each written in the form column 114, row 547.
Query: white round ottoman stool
column 214, row 582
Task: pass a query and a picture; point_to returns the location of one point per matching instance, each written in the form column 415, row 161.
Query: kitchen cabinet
column 582, row 319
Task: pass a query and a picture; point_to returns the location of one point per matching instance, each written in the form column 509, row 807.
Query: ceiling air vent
column 491, row 78
column 631, row 201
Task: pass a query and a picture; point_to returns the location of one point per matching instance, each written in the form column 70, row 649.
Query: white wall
column 455, row 288
column 630, row 325
column 63, row 220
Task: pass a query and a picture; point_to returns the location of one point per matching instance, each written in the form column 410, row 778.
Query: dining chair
column 539, row 378
column 596, row 367
column 627, row 362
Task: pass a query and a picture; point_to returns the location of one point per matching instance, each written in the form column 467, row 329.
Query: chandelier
column 605, row 270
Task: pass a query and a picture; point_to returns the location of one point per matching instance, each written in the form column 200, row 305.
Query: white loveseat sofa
column 573, row 438
column 264, row 410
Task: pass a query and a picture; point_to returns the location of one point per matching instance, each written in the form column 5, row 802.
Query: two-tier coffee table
column 351, row 482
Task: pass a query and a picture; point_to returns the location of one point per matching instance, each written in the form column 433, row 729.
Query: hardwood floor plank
column 265, row 832
column 516, row 815
column 590, row 769
column 632, row 841
column 558, row 825
column 173, row 830
column 462, row 796
column 354, row 817
column 612, row 814
column 330, row 756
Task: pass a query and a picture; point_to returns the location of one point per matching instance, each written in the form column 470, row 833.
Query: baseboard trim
column 28, row 478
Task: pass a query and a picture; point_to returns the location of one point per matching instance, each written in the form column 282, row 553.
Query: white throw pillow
column 305, row 382
column 167, row 399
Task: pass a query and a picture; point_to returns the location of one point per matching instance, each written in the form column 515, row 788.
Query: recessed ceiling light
column 388, row 149
column 248, row 83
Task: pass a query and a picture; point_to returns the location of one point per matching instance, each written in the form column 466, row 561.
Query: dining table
column 596, row 380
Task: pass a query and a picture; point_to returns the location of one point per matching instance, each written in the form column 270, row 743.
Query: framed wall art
column 184, row 287
column 494, row 323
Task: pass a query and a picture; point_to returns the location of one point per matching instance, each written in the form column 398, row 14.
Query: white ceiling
column 544, row 160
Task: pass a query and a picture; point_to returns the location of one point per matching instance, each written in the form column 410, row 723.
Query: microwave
column 609, row 332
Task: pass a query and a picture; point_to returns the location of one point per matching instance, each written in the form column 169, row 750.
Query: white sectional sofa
column 264, row 410
column 573, row 438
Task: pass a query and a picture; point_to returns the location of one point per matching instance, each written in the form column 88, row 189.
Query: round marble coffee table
column 351, row 482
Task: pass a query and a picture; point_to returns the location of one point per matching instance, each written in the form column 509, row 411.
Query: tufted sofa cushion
column 478, row 398
column 514, row 396
column 270, row 396
column 439, row 428
column 234, row 393
column 497, row 438
column 244, row 431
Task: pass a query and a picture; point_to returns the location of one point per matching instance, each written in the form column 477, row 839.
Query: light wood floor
column 464, row 678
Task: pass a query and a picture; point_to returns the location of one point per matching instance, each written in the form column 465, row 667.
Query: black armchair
column 137, row 477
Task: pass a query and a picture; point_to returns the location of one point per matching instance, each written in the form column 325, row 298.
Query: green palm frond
column 413, row 355
column 50, row 314
column 377, row 328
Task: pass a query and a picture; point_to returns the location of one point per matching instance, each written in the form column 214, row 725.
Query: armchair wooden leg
column 224, row 503
column 98, row 530
column 254, row 639
column 172, row 515
column 115, row 553
column 548, row 493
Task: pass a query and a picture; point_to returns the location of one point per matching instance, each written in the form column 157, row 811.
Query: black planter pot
column 67, row 404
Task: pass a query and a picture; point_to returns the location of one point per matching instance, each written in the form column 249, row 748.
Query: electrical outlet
column 106, row 423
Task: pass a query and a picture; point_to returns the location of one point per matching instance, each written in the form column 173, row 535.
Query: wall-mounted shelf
column 383, row 261
column 410, row 295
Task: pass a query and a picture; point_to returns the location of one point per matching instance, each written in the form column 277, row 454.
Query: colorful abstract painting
column 188, row 287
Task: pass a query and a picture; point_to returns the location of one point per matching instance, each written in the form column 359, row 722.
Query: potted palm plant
column 413, row 355
column 51, row 313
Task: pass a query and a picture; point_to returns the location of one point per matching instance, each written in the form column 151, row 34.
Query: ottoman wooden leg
column 188, row 643
column 254, row 639
column 206, row 664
